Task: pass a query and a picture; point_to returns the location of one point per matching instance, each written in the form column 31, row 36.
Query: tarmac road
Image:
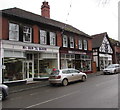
column 97, row 92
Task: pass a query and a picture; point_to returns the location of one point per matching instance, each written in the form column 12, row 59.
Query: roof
column 98, row 39
column 16, row 12
column 114, row 42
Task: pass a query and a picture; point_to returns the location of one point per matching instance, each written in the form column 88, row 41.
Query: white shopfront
column 25, row 61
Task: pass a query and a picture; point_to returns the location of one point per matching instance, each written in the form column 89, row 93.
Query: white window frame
column 80, row 43
column 13, row 32
column 52, row 38
column 65, row 41
column 85, row 44
column 43, row 37
column 26, row 32
column 71, row 42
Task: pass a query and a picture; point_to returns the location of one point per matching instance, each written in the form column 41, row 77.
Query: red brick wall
column 5, row 29
column 59, row 39
column 45, row 12
column 90, row 45
column 76, row 42
column 35, row 34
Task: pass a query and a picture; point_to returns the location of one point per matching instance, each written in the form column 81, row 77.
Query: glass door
column 28, row 70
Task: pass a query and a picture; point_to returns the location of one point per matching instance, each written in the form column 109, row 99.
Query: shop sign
column 34, row 48
column 76, row 52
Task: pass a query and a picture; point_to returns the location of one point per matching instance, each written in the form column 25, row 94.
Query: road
column 97, row 92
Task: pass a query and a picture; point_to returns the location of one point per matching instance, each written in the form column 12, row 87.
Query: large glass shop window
column 13, row 69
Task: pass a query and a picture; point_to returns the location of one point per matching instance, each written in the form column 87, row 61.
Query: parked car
column 64, row 76
column 112, row 69
column 3, row 91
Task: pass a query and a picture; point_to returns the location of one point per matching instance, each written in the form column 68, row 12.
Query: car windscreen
column 111, row 66
column 56, row 72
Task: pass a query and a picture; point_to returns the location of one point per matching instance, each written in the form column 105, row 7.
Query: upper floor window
column 85, row 44
column 27, row 34
column 13, row 31
column 52, row 38
column 43, row 37
column 80, row 44
column 65, row 41
column 71, row 42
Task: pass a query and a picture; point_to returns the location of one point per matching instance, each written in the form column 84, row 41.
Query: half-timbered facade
column 102, row 50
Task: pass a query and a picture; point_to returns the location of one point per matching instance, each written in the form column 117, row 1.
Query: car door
column 75, row 74
column 67, row 74
column 72, row 75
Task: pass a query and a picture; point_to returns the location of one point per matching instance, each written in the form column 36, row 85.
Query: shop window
column 13, row 69
column 65, row 41
column 29, row 56
column 80, row 44
column 52, row 38
column 43, row 37
column 71, row 42
column 85, row 44
column 27, row 34
column 13, row 31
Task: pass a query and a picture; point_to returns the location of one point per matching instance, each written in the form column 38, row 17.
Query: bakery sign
column 33, row 48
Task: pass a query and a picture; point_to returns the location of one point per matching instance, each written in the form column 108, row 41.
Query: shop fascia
column 21, row 46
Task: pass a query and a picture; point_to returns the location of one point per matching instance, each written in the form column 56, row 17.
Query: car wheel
column 65, row 82
column 83, row 78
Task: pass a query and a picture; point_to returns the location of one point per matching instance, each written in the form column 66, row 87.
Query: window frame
column 80, row 44
column 13, row 31
column 27, row 33
column 65, row 38
column 43, row 37
column 72, row 42
column 52, row 36
column 85, row 44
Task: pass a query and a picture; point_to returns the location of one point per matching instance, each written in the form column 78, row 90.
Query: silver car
column 3, row 91
column 111, row 69
column 64, row 76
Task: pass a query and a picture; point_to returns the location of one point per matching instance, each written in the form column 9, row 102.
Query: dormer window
column 27, row 34
column 13, row 31
column 71, row 42
column 65, row 41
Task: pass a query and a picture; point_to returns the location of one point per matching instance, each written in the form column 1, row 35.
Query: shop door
column 28, row 70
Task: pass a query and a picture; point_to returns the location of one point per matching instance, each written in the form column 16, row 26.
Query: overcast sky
column 89, row 16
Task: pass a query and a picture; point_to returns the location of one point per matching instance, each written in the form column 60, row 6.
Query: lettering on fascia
column 34, row 48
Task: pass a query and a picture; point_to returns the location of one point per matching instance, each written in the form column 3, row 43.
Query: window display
column 13, row 69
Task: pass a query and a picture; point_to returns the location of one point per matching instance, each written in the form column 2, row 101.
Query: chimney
column 45, row 10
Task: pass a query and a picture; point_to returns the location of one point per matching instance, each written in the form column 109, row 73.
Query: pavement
column 38, row 84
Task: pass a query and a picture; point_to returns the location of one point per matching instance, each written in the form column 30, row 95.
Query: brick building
column 33, row 44
column 116, row 49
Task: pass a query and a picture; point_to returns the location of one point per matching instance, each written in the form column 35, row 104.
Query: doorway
column 28, row 70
